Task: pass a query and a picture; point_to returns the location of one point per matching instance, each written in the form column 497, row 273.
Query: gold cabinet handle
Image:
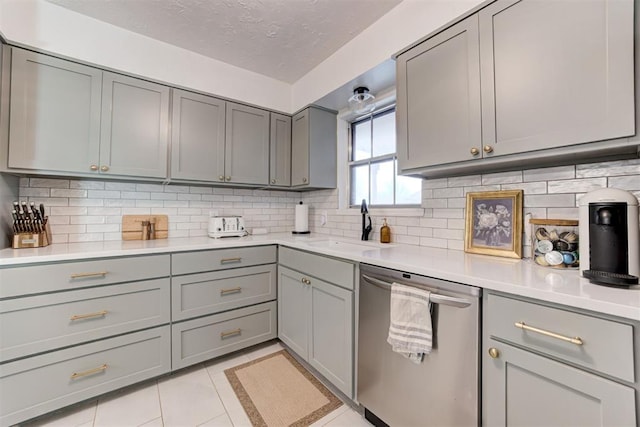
column 474, row 151
column 494, row 352
column 228, row 334
column 89, row 315
column 230, row 291
column 487, row 149
column 305, row 281
column 93, row 371
column 221, row 178
column 273, row 181
column 93, row 167
column 228, row 178
column 228, row 260
column 82, row 275
column 104, row 168
column 304, row 180
column 575, row 340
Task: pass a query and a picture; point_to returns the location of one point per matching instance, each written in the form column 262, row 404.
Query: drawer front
column 201, row 339
column 220, row 259
column 331, row 270
column 64, row 276
column 196, row 295
column 607, row 346
column 45, row 322
column 36, row 385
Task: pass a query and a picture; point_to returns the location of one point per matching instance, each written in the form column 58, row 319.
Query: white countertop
column 520, row 277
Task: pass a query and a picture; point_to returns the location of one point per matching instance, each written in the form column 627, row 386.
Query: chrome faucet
column 366, row 229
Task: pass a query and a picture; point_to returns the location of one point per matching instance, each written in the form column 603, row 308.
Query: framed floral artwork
column 493, row 223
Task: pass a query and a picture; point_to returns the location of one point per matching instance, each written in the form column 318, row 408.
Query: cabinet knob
column 494, row 353
column 93, row 167
column 221, row 178
column 487, row 149
column 228, row 178
column 474, row 151
column 305, row 281
column 304, row 180
column 104, row 168
column 273, row 181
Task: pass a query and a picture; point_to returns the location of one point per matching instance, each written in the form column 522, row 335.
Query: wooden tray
column 132, row 226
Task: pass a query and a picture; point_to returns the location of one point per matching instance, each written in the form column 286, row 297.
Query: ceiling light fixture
column 362, row 102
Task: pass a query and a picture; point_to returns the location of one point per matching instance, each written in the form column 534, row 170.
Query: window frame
column 373, row 160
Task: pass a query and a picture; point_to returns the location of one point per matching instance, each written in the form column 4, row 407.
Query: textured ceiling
column 283, row 39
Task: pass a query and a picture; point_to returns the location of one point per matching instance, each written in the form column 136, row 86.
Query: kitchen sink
column 358, row 246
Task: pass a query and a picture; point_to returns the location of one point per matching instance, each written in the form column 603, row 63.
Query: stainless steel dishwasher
column 443, row 390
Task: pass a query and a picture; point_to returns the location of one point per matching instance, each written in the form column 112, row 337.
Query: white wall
column 48, row 27
column 51, row 28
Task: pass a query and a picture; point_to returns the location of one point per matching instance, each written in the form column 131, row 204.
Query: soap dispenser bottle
column 385, row 233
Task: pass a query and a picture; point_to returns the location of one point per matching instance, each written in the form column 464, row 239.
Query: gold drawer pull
column 576, row 340
column 227, row 260
column 93, row 371
column 89, row 315
column 96, row 274
column 230, row 291
column 228, row 334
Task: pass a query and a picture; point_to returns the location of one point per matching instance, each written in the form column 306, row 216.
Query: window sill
column 384, row 211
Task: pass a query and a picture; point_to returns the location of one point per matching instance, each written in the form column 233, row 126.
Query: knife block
column 32, row 240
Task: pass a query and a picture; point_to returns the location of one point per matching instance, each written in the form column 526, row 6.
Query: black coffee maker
column 609, row 234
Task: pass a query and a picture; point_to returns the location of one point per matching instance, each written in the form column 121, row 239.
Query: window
column 373, row 165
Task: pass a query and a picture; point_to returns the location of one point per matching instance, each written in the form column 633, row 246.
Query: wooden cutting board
column 132, row 226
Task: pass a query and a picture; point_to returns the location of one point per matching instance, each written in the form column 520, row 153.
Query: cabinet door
column 197, row 142
column 293, row 310
column 300, row 149
column 438, row 108
column 280, row 159
column 524, row 389
column 247, row 145
column 331, row 343
column 55, row 114
column 134, row 135
column 556, row 73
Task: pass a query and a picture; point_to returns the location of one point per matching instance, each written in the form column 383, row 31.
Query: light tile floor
column 197, row 396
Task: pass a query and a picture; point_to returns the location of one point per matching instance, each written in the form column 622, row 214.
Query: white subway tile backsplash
column 91, row 210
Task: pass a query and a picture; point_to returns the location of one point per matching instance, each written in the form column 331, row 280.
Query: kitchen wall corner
column 8, row 193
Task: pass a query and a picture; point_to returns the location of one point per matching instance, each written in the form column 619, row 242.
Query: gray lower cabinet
column 39, row 384
column 280, row 151
column 544, row 365
column 71, row 118
column 222, row 301
column 55, row 113
column 198, row 133
column 495, row 91
column 316, row 317
column 313, row 149
column 246, row 158
column 74, row 330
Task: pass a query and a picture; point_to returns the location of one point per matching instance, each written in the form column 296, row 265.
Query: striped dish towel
column 410, row 331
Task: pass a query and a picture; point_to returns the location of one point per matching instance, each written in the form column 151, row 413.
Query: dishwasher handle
column 433, row 298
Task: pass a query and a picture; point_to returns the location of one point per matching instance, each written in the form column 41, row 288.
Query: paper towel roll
column 302, row 219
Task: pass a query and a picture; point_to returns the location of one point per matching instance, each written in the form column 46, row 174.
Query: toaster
column 226, row 226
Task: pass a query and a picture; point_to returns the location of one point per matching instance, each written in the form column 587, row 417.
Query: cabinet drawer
column 64, row 276
column 207, row 293
column 332, row 270
column 220, row 259
column 45, row 322
column 201, row 339
column 607, row 346
column 40, row 384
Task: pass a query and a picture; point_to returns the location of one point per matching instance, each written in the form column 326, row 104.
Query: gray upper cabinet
column 135, row 124
column 247, row 145
column 280, row 157
column 313, row 149
column 198, row 133
column 55, row 113
column 438, row 105
column 519, row 82
column 556, row 73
